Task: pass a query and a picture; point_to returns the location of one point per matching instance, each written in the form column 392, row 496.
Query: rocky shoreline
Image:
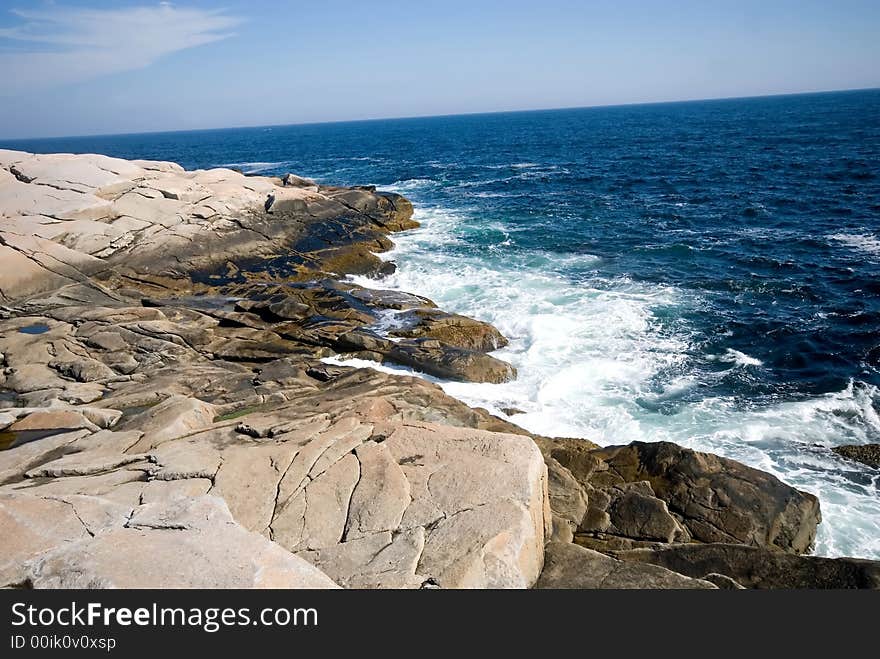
column 166, row 419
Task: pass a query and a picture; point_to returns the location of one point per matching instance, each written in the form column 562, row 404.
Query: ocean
column 706, row 273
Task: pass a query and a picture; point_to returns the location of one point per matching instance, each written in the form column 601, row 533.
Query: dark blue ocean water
column 704, row 272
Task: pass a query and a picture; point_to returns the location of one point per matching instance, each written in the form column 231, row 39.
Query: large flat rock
column 371, row 503
column 93, row 543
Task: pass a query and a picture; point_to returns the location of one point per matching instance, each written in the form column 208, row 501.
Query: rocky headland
column 167, row 418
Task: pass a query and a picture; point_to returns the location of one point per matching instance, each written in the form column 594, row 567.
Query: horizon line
column 440, row 116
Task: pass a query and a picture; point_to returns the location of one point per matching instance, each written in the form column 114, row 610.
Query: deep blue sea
column 701, row 272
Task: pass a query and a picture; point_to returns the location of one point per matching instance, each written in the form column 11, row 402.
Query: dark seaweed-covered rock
column 756, row 567
column 868, row 454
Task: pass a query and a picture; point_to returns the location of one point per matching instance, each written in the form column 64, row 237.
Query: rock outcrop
column 165, row 390
column 756, row 567
column 90, row 542
column 712, row 499
column 648, row 494
column 695, row 514
column 74, row 222
column 868, row 454
column 175, row 381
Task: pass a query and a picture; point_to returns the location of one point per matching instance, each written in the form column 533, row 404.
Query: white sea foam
column 515, row 165
column 594, row 361
column 257, row 167
column 409, row 185
column 738, row 358
column 865, row 243
column 526, row 174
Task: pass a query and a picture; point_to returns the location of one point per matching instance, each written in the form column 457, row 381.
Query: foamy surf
column 256, row 167
column 408, row 185
column 865, row 243
column 596, row 360
column 739, row 358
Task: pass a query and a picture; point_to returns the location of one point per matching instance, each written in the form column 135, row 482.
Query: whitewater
column 588, row 356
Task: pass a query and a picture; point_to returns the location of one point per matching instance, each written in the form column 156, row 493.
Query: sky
column 70, row 67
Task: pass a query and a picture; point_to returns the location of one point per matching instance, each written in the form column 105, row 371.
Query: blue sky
column 73, row 68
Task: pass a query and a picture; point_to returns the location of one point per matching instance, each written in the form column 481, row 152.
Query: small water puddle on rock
column 206, row 302
column 15, row 438
column 37, row 328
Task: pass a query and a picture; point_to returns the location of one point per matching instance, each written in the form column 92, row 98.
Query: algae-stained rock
column 757, row 567
column 436, row 358
column 868, row 454
column 451, row 329
column 570, row 566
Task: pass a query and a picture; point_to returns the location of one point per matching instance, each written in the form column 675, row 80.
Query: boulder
column 295, row 181
column 868, row 454
column 94, row 454
column 443, row 361
column 451, row 329
column 83, row 370
column 714, row 498
column 52, row 418
column 632, row 511
column 6, row 420
column 568, row 501
column 429, row 356
column 16, row 460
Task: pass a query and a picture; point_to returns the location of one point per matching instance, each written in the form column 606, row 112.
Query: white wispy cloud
column 58, row 45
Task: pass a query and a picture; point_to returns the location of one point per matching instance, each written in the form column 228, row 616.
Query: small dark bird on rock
column 269, row 201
